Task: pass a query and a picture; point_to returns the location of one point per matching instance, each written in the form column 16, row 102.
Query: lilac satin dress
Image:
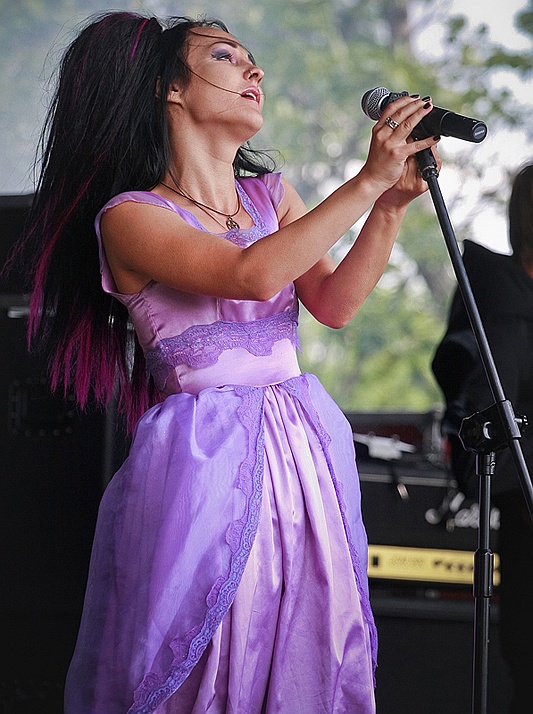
column 228, row 572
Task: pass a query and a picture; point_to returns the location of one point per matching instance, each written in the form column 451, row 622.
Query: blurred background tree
column 320, row 57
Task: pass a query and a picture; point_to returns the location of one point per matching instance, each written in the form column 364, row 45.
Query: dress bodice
column 196, row 341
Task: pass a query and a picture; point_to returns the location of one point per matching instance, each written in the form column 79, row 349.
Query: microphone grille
column 371, row 102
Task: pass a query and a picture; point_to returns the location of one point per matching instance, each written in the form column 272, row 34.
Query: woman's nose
column 255, row 72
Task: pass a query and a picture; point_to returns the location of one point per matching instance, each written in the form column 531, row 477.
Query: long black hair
column 105, row 133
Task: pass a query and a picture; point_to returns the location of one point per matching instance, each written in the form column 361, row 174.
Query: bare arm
column 334, row 294
column 145, row 242
column 185, row 258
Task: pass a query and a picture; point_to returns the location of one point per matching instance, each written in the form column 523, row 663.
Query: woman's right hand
column 391, row 147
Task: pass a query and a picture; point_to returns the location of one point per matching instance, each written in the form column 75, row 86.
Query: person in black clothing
column 503, row 289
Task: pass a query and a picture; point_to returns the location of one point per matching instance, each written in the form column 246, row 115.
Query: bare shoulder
column 135, row 233
column 131, row 216
column 144, row 242
column 291, row 206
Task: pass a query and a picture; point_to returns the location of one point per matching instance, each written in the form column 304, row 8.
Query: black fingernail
column 424, row 99
column 437, row 138
column 427, row 104
column 415, row 96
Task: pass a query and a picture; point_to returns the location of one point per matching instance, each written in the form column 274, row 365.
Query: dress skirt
column 228, row 572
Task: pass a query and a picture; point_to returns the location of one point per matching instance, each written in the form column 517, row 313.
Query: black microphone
column 442, row 122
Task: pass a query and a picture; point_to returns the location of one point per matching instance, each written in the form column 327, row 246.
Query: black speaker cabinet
column 422, row 535
column 54, row 462
column 425, row 659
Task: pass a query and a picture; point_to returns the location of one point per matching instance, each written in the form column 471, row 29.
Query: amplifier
column 421, row 528
column 422, row 535
column 13, row 212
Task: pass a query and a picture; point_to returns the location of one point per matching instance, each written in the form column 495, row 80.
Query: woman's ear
column 173, row 92
column 174, row 95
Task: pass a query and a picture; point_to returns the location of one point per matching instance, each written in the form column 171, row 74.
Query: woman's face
column 225, row 81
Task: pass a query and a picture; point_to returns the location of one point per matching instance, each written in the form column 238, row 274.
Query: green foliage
column 525, row 22
column 383, row 359
column 320, row 57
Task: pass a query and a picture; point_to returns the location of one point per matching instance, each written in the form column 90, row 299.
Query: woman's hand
column 391, row 161
column 409, row 186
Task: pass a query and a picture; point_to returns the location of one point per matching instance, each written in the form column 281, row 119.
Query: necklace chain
column 231, row 223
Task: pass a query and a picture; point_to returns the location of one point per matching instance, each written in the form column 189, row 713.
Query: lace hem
column 240, row 536
column 202, row 345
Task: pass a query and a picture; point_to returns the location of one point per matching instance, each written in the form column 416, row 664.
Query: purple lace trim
column 240, row 537
column 299, row 388
column 243, row 237
column 202, row 345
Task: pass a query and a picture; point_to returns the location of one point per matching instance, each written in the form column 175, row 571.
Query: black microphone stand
column 483, row 433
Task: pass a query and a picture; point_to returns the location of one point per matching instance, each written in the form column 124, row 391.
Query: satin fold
column 170, row 554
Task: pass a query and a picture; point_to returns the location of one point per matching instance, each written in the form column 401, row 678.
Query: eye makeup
column 222, row 54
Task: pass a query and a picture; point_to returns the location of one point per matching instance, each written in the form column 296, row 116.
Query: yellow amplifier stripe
column 424, row 564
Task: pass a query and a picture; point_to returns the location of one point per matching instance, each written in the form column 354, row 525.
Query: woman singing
column 228, row 571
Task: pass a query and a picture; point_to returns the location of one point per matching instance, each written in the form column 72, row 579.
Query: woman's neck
column 202, row 166
column 205, row 186
column 215, row 189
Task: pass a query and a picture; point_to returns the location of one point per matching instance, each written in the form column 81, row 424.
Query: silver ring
column 390, row 122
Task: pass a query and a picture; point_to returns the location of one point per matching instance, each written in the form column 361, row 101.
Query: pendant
column 231, row 224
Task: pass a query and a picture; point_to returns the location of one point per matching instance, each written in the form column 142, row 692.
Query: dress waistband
column 202, row 346
column 238, row 367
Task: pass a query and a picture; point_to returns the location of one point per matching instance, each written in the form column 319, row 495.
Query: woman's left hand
column 410, row 185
